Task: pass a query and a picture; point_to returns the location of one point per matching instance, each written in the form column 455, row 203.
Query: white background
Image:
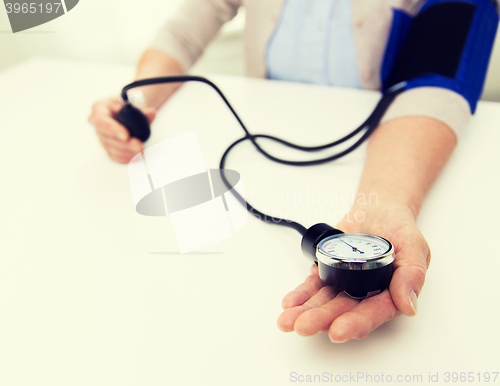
column 113, row 31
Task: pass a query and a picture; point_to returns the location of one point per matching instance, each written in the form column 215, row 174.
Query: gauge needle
column 354, row 249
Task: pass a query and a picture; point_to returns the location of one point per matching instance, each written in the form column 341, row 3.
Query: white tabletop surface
column 92, row 293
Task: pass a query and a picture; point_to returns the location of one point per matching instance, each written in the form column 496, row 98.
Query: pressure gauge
column 357, row 263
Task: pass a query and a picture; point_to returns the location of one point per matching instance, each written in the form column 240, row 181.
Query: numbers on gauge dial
column 355, row 247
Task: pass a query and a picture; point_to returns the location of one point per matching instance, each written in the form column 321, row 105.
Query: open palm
column 315, row 307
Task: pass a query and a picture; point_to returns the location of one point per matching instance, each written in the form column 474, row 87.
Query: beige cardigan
column 190, row 30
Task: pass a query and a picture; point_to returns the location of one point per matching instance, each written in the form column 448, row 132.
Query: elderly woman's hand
column 314, row 307
column 114, row 137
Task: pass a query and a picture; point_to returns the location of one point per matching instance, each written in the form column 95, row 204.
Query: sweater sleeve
column 434, row 102
column 185, row 35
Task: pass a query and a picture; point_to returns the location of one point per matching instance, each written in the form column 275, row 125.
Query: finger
column 150, row 113
column 116, row 155
column 115, row 105
column 108, row 106
column 122, row 158
column 106, row 126
column 405, row 287
column 409, row 277
column 136, row 145
column 131, row 146
column 369, row 314
column 288, row 317
column 303, row 292
column 319, row 319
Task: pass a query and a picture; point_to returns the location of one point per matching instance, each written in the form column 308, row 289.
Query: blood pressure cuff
column 446, row 44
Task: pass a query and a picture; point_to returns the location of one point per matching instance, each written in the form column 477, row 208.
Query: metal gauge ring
column 357, row 263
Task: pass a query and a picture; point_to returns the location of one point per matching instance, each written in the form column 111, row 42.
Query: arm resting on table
column 404, row 158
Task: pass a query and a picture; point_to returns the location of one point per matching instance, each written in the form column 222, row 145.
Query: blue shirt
column 314, row 43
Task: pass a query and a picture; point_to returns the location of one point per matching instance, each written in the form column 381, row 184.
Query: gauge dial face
column 354, row 246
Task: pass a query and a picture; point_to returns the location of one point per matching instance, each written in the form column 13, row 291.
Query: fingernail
column 122, row 136
column 333, row 340
column 413, row 301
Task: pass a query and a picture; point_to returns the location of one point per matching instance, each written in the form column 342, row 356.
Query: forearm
column 404, row 158
column 154, row 64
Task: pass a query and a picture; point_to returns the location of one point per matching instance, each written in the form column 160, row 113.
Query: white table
column 92, row 293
